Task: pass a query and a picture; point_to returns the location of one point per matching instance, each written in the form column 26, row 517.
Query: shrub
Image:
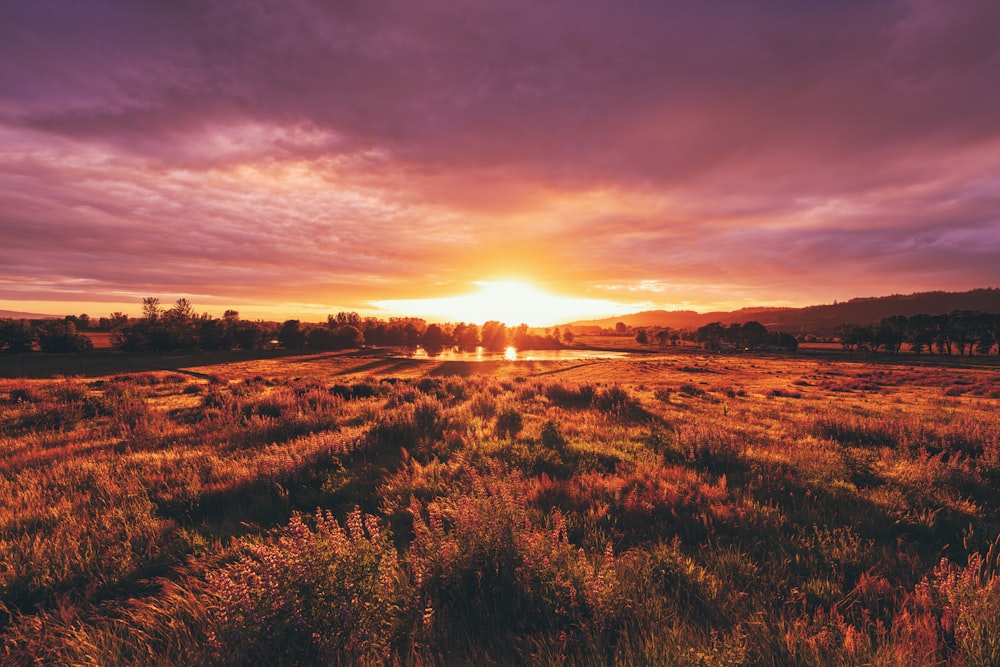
column 570, row 396
column 315, row 593
column 509, row 423
column 552, row 436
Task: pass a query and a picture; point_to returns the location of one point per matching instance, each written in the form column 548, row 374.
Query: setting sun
column 511, row 302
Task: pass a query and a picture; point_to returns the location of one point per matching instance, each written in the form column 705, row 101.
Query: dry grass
column 351, row 509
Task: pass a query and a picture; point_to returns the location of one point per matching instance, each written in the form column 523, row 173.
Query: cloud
column 344, row 153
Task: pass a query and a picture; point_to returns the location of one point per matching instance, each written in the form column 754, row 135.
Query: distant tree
column 520, row 337
column 61, row 336
column 211, row 334
column 854, row 337
column 291, row 336
column 662, row 336
column 942, row 334
column 435, row 339
column 16, row 335
column 753, row 335
column 642, row 337
column 621, row 328
column 785, row 341
column 711, row 335
column 339, row 338
column 466, row 337
column 81, row 322
column 344, row 318
column 891, row 333
column 494, row 336
column 248, row 335
column 151, row 308
column 568, row 336
column 920, row 333
column 182, row 311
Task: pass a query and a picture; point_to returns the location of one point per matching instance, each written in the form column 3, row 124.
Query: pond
column 513, row 354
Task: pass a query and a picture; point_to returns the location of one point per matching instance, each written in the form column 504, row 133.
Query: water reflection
column 510, row 354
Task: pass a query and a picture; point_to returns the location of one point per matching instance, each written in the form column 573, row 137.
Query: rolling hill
column 822, row 319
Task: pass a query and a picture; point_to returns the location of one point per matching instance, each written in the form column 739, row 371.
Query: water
column 512, row 354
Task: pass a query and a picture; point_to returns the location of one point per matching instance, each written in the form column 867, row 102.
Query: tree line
column 746, row 336
column 180, row 328
column 964, row 331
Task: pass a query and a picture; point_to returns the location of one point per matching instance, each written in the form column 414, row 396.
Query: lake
column 512, row 354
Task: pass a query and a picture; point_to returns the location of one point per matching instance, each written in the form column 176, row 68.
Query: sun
column 512, row 302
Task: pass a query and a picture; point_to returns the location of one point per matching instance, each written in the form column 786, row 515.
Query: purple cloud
column 341, row 153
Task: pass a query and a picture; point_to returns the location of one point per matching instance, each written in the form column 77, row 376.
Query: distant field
column 362, row 508
column 100, row 339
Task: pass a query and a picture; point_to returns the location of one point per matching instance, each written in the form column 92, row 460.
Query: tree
column 344, row 318
column 920, row 333
column 291, row 335
column 466, row 337
column 621, row 328
column 891, row 333
column 754, row 335
column 16, row 336
column 181, row 312
column 711, row 335
column 855, row 337
column 495, row 336
column 61, row 336
column 435, row 339
column 151, row 308
column 642, row 337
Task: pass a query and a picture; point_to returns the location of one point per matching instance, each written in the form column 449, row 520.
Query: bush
column 316, row 593
column 570, row 396
column 509, row 423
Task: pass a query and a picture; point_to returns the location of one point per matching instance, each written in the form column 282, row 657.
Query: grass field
column 366, row 509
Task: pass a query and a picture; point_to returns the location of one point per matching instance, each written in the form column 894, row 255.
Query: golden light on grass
column 509, row 301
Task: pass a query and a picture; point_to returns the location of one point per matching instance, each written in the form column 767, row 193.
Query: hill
column 822, row 319
column 18, row 315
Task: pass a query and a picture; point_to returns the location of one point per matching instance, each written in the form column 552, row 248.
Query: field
column 668, row 508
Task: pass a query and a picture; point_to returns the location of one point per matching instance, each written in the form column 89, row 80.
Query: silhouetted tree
column 61, row 336
column 891, row 333
column 151, row 308
column 494, row 336
column 466, row 337
column 344, row 318
column 435, row 339
column 854, row 337
column 642, row 337
column 711, row 335
column 753, row 335
column 920, row 333
column 16, row 335
column 291, row 336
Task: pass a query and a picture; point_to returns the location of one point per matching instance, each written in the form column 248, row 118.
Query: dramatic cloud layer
column 302, row 157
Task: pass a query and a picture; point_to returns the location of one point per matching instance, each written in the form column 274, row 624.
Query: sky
column 296, row 158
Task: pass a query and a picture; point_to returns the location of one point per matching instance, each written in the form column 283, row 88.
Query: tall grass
column 158, row 519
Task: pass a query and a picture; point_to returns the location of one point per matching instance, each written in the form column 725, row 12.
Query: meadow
column 356, row 509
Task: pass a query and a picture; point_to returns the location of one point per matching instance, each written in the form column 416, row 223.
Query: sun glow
column 511, row 302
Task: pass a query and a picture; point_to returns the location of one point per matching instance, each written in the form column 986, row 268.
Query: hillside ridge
column 818, row 319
